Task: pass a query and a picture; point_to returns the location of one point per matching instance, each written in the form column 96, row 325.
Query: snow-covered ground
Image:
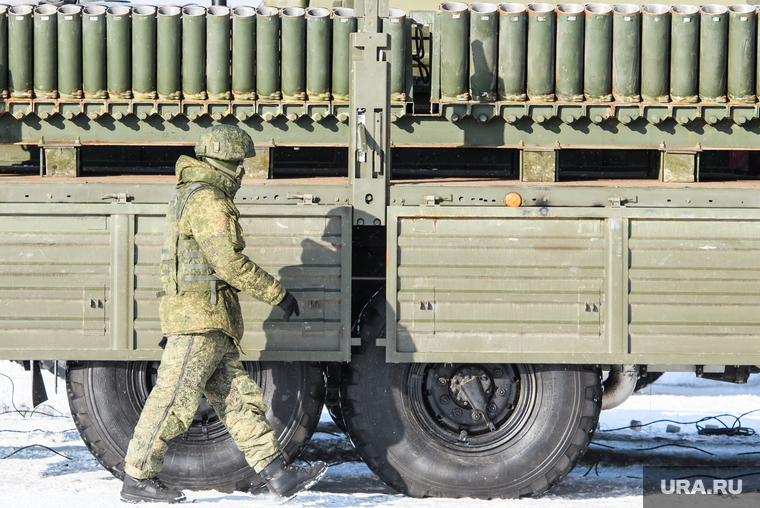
column 57, row 470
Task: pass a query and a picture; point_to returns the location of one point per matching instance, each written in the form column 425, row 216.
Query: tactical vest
column 184, row 267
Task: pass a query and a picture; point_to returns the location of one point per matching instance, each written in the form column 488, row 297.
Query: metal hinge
column 434, row 200
column 617, row 201
column 308, row 199
column 120, row 197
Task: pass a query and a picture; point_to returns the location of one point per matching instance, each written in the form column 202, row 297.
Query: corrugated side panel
column 304, row 252
column 54, row 282
column 499, row 285
column 694, row 284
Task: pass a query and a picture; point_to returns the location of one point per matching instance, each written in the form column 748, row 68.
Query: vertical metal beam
column 369, row 139
column 122, row 307
column 617, row 231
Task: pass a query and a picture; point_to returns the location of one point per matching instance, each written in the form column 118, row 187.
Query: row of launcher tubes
column 189, row 53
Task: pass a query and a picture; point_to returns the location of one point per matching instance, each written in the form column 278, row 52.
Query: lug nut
column 501, row 392
column 498, row 373
column 442, row 381
column 457, row 413
column 445, row 399
column 492, row 408
column 475, row 415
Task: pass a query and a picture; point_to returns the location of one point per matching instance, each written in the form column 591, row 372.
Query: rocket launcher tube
column 3, row 51
column 194, row 52
column 318, row 36
column 484, row 47
column 293, row 54
column 268, row 54
column 343, row 25
column 119, row 51
column 70, row 51
column 20, row 51
column 169, row 53
column 742, row 52
column 542, row 27
column 454, row 20
column 144, row 33
column 46, row 51
column 395, row 25
column 569, row 64
column 244, row 53
column 655, row 53
column 218, row 51
column 94, row 81
column 713, row 53
column 597, row 64
column 513, row 45
column 626, row 53
column 684, row 53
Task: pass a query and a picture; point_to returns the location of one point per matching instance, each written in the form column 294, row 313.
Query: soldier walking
column 202, row 270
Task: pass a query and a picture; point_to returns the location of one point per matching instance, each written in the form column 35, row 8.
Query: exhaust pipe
column 619, row 385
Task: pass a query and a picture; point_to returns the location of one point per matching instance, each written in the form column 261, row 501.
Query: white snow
column 609, row 474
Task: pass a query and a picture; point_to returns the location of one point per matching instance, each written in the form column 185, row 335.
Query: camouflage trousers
column 192, row 366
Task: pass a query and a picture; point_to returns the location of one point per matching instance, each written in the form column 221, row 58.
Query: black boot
column 150, row 490
column 286, row 481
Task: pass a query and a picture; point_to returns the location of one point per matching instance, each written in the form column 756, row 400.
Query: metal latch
column 120, row 197
column 308, row 199
column 434, row 200
column 618, row 201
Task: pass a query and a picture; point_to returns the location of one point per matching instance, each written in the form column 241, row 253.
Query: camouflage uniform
column 203, row 328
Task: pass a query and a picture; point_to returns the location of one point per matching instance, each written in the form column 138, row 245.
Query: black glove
column 289, row 305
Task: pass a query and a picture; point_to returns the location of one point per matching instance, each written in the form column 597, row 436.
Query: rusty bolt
column 712, row 120
column 217, row 116
column 193, row 116
column 68, row 115
column 569, row 119
column 511, row 119
column 656, row 119
column 168, row 116
column 540, row 119
column 317, row 117
column 118, row 115
column 44, row 115
column 343, row 117
column 142, row 115
column 741, row 120
column 292, row 117
column 94, row 115
column 268, row 117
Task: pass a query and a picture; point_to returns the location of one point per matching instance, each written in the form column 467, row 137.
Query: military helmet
column 225, row 142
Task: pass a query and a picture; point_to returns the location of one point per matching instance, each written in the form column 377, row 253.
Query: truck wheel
column 412, row 429
column 106, row 399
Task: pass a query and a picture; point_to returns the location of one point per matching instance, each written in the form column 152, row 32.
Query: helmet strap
column 227, row 168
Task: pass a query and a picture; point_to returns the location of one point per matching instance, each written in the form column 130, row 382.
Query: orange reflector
column 513, row 199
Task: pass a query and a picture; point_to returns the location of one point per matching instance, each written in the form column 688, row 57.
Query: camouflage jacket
column 211, row 218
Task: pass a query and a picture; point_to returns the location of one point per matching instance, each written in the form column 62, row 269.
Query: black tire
column 394, row 420
column 106, row 399
column 647, row 379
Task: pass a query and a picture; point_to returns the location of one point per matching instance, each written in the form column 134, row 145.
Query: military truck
column 496, row 219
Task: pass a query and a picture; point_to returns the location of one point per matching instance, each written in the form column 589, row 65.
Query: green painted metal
column 542, row 27
column 597, row 64
column 144, row 57
column 3, row 51
column 20, row 51
column 626, row 53
column 267, row 58
column 70, row 52
column 169, row 54
column 218, row 49
column 293, row 70
column 655, row 53
column 45, row 52
column 94, row 76
column 318, row 56
column 244, row 53
column 193, row 53
column 396, row 26
column 684, row 54
column 453, row 21
column 569, row 65
column 104, row 306
column 119, row 54
column 484, row 48
column 513, row 52
column 713, row 53
column 586, row 267
column 344, row 24
column 742, row 53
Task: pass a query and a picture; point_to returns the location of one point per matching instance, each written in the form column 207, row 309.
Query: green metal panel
column 86, row 283
column 70, row 51
column 695, row 286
